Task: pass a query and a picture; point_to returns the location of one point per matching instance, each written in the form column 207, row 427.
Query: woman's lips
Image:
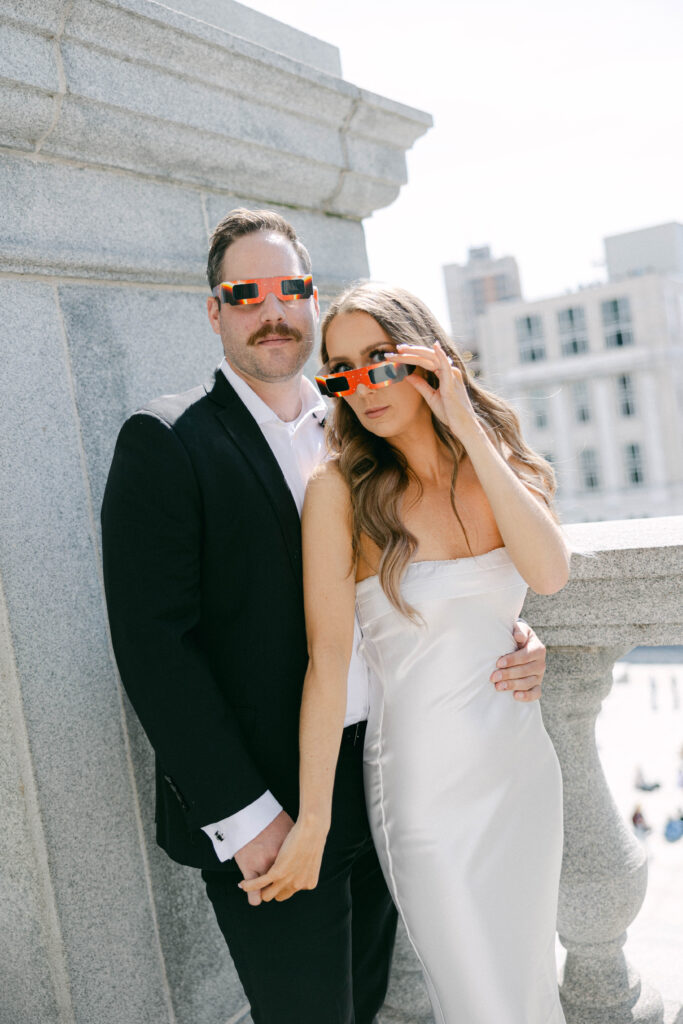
column 374, row 413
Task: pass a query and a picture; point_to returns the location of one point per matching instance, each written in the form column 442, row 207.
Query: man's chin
column 278, row 365
column 287, row 359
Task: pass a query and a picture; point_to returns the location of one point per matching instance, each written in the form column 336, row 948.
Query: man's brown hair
column 242, row 222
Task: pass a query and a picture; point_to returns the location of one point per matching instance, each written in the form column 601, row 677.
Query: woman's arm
column 532, row 537
column 329, row 599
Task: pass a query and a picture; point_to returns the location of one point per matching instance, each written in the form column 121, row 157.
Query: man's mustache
column 283, row 330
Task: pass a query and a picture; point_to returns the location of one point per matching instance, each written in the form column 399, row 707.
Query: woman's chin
column 379, row 426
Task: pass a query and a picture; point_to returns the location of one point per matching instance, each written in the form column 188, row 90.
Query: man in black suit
column 202, row 568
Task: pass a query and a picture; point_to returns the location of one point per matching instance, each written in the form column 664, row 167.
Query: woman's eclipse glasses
column 255, row 289
column 379, row 375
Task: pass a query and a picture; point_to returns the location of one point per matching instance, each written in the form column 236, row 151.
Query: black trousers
column 321, row 957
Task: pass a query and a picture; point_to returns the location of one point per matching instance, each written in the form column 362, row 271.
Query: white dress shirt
column 298, row 446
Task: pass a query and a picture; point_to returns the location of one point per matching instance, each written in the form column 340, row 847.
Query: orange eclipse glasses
column 255, row 289
column 378, row 375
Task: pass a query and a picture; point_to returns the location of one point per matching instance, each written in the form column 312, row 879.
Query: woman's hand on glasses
column 450, row 401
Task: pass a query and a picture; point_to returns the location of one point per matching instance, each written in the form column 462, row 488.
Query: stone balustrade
column 626, row 589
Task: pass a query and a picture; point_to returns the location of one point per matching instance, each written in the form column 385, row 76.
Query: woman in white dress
column 431, row 518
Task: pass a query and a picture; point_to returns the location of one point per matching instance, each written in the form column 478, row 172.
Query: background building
column 472, row 287
column 597, row 376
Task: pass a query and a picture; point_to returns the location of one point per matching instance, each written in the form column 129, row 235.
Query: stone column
column 127, row 130
column 604, row 409
column 567, row 463
column 652, row 430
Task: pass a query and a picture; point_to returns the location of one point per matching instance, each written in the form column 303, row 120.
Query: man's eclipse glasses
column 378, row 375
column 255, row 289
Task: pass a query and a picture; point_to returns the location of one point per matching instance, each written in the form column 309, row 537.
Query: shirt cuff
column 232, row 833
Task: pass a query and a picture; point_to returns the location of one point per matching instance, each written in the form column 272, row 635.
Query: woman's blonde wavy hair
column 378, row 474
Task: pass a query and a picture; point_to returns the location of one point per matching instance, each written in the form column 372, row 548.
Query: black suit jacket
column 202, row 567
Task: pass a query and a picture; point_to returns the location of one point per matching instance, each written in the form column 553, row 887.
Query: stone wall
column 126, row 131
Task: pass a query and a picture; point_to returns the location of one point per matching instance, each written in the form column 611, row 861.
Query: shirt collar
column 312, row 403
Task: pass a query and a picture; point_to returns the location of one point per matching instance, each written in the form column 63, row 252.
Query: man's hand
column 297, row 866
column 523, row 670
column 257, row 857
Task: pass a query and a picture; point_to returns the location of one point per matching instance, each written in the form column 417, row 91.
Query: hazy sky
column 554, row 125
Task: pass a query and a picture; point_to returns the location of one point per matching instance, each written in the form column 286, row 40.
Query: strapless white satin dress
column 464, row 792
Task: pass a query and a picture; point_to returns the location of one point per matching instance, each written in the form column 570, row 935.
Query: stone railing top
column 627, row 535
column 641, row 538
column 626, row 587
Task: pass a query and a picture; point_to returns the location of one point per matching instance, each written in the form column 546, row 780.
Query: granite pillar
column 127, row 130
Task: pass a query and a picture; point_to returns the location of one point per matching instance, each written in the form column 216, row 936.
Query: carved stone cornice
column 134, row 86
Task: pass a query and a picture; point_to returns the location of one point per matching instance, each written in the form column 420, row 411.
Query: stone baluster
column 604, row 871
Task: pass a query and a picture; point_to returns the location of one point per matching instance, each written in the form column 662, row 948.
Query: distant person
column 653, row 693
column 673, row 830
column 640, row 783
column 640, row 826
column 432, row 518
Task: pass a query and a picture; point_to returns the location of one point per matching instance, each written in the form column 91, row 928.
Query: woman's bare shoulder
column 326, row 479
column 327, row 490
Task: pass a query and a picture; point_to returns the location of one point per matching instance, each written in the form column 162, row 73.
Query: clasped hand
column 296, row 867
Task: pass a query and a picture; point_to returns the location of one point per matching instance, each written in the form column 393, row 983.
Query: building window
column 572, row 327
column 635, row 475
column 581, row 400
column 626, row 395
column 616, row 319
column 530, row 338
column 503, row 287
column 589, row 469
column 539, row 409
column 478, row 295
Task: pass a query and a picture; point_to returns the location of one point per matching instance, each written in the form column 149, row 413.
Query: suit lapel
column 246, row 434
